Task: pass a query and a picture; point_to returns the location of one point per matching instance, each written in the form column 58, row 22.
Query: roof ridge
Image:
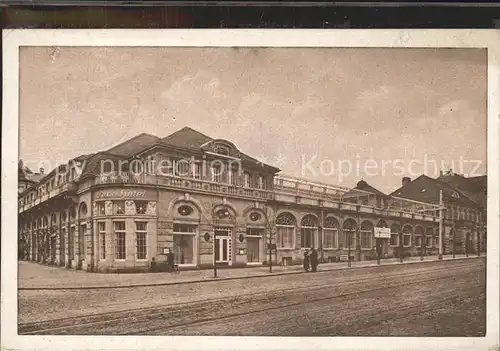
column 133, row 138
column 185, row 128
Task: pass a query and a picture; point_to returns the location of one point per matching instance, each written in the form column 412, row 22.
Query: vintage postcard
column 250, row 189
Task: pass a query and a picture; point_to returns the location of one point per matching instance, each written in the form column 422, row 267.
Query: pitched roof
column 427, row 189
column 187, row 138
column 474, row 187
column 364, row 187
column 131, row 146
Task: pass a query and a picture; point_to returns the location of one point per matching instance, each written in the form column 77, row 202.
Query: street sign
column 383, row 233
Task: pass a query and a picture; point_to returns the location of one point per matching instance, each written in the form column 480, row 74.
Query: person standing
column 170, row 261
column 306, row 261
column 314, row 260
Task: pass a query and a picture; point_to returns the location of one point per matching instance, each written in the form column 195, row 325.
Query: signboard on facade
column 382, row 233
column 122, row 193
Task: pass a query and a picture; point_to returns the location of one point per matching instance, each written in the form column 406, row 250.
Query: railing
column 184, row 183
column 289, row 189
column 66, row 187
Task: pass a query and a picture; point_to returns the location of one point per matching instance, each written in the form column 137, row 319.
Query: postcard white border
column 448, row 38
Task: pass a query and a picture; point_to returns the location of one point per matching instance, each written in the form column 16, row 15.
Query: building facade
column 464, row 223
column 116, row 210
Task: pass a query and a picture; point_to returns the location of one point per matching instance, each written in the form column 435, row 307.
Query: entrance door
column 223, row 245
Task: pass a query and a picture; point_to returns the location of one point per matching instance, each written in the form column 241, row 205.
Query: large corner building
column 203, row 198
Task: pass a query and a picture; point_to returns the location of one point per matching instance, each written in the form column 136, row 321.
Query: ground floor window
column 308, row 237
column 285, row 236
column 394, row 239
column 418, row 240
column 428, row 242
column 101, row 227
column 349, row 238
column 366, row 239
column 141, row 235
column 119, row 233
column 406, row 239
column 184, row 236
column 330, row 238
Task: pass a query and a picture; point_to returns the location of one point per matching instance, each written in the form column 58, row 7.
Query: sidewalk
column 33, row 276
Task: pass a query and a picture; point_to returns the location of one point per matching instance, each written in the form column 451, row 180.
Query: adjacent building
column 210, row 203
column 464, row 224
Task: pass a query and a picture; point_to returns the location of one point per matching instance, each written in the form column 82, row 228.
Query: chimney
column 406, row 180
column 41, row 170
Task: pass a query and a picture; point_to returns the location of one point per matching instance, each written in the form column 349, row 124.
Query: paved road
column 429, row 299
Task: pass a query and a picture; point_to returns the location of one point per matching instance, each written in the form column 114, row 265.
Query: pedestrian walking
column 314, row 260
column 153, row 265
column 306, row 261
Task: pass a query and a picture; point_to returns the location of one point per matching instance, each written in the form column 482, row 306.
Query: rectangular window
column 406, row 240
column 102, row 240
column 349, row 238
column 261, row 182
column 232, row 177
column 330, row 238
column 101, row 208
column 248, row 183
column 418, row 241
column 119, row 207
column 428, row 241
column 141, row 235
column 182, row 168
column 394, row 239
column 255, row 232
column 307, row 237
column 366, row 239
column 184, row 236
column 196, row 171
column 285, row 236
column 216, row 174
column 119, row 231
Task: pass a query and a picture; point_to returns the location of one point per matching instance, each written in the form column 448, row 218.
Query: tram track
column 170, row 316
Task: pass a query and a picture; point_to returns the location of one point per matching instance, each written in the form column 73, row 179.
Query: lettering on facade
column 120, row 193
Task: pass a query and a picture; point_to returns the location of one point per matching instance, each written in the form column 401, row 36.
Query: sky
column 333, row 115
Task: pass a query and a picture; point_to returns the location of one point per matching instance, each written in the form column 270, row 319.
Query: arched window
column 285, row 230
column 407, row 232
column 349, row 230
column 331, row 233
column 83, row 210
column 308, row 232
column 382, row 224
column 366, row 234
column 395, row 232
column 419, row 233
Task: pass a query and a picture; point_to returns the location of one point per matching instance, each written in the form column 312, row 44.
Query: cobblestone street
column 427, row 299
column 36, row 276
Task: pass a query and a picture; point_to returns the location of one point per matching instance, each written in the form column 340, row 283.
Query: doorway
column 223, row 246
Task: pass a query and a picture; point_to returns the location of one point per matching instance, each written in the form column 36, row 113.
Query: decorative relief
column 130, row 207
column 151, row 209
column 255, row 216
column 108, row 208
column 185, row 210
column 95, row 209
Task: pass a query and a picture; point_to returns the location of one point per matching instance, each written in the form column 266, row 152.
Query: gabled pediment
column 221, row 147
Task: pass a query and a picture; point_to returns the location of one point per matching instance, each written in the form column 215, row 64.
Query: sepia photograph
column 253, row 190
